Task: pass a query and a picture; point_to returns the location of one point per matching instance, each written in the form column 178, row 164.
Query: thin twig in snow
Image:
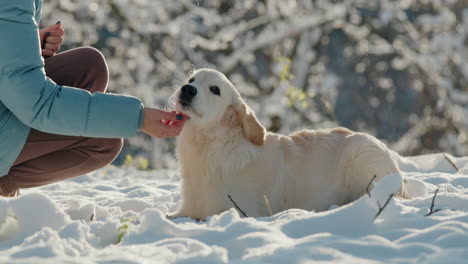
column 369, row 185
column 432, row 204
column 383, row 207
column 451, row 162
column 240, row 210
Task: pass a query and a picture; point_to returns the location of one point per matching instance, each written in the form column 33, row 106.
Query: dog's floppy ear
column 230, row 117
column 240, row 114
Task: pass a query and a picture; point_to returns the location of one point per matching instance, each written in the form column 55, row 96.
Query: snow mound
column 118, row 215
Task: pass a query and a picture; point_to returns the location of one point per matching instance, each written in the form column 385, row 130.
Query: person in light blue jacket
column 56, row 122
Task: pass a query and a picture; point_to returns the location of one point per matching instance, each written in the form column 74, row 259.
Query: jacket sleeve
column 42, row 104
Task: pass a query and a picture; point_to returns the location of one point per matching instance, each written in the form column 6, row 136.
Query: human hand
column 160, row 124
column 51, row 38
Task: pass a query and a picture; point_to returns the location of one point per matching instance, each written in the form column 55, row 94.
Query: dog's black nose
column 187, row 93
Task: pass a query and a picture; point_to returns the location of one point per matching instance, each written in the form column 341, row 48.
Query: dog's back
column 325, row 167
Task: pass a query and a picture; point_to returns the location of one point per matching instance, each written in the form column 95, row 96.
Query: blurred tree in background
column 395, row 69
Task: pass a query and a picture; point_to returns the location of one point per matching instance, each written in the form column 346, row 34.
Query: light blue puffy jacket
column 28, row 99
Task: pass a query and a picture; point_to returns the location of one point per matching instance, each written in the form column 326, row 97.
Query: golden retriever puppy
column 224, row 151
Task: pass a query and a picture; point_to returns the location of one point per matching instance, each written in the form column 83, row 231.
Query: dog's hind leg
column 368, row 160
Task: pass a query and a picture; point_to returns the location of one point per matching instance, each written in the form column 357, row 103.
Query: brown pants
column 48, row 158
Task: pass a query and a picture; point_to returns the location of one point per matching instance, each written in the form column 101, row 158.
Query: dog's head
column 209, row 98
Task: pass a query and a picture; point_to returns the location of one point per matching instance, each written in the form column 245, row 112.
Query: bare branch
column 432, row 211
column 369, row 185
column 383, row 207
column 433, row 199
column 435, row 211
column 451, row 162
column 237, row 207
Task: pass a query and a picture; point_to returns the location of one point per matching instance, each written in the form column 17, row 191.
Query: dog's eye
column 191, row 80
column 215, row 89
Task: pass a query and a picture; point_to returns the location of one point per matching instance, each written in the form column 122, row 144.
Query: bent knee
column 93, row 55
column 107, row 149
column 113, row 147
column 97, row 66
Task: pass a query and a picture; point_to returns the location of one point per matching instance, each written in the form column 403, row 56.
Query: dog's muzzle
column 187, row 94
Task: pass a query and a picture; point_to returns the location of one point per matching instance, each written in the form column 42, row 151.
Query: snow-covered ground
column 118, row 215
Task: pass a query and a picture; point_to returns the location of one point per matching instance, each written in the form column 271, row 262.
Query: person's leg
column 82, row 68
column 48, row 158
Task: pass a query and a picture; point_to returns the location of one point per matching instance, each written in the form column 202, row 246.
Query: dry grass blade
column 268, row 205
